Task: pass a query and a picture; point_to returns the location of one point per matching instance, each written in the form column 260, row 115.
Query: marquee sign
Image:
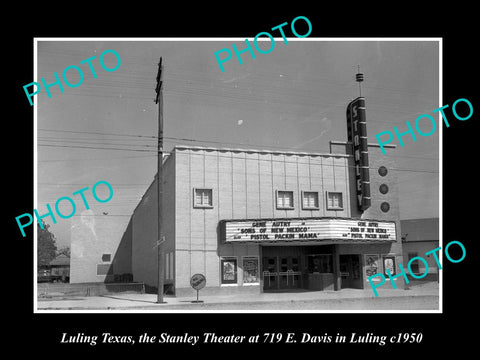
column 357, row 134
column 310, row 229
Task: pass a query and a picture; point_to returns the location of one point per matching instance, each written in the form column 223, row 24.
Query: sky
column 293, row 98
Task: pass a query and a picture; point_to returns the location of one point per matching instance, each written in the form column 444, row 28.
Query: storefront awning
column 308, row 230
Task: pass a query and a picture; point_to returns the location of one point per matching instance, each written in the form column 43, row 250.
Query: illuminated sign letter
column 357, row 135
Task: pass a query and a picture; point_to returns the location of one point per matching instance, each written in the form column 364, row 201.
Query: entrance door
column 351, row 272
column 270, row 273
column 289, row 272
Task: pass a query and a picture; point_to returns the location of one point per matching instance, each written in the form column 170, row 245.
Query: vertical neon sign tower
column 357, row 135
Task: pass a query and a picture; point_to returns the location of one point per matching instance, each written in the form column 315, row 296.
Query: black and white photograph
column 290, row 185
column 276, row 187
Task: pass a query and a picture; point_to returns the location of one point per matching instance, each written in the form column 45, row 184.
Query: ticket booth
column 320, row 273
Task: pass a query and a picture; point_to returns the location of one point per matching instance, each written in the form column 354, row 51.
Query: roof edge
column 260, row 151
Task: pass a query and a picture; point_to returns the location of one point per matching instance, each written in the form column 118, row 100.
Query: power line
column 202, row 141
column 53, row 138
column 96, row 148
column 98, row 133
column 69, row 141
column 223, row 90
column 152, row 137
column 242, row 158
column 99, row 159
column 40, row 183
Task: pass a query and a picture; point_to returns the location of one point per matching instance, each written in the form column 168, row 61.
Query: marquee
column 317, row 229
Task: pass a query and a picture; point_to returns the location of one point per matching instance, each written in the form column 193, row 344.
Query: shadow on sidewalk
column 127, row 299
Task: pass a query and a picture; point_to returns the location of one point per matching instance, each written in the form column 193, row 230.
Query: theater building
column 259, row 220
column 255, row 220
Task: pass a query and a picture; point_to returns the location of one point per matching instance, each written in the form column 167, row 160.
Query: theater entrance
column 297, row 268
column 351, row 271
column 281, row 272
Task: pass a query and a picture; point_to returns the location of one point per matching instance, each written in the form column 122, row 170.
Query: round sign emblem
column 384, row 188
column 198, row 281
column 382, row 170
column 385, row 206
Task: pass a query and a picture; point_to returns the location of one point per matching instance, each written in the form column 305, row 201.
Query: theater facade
column 265, row 221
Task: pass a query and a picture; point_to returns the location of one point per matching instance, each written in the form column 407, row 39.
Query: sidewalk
column 424, row 294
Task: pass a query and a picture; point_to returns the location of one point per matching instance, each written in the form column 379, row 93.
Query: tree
column 46, row 247
column 64, row 250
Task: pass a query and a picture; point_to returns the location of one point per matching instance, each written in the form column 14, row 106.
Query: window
column 250, row 270
column 334, row 201
column 414, row 267
column 229, row 270
column 310, row 200
column 104, row 269
column 106, row 257
column 169, row 266
column 202, row 198
column 284, row 199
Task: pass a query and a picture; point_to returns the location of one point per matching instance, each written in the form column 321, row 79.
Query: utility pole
column 160, row 240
